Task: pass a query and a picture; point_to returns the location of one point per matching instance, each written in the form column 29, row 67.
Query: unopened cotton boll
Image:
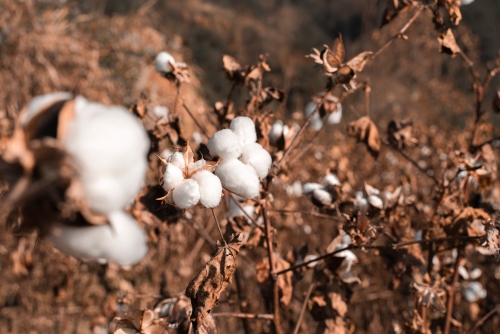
column 109, row 147
column 187, row 194
column 244, row 128
column 162, row 61
column 225, row 144
column 210, row 188
column 238, row 177
column 172, row 177
column 177, row 159
column 121, row 241
column 256, row 156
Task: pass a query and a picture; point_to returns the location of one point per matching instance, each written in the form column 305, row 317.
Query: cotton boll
column 238, row 177
column 187, row 194
column 473, row 291
column 466, row 2
column 172, row 177
column 160, row 112
column 177, row 159
column 276, row 131
column 376, row 202
column 162, row 61
column 309, row 187
column 197, row 137
column 39, row 103
column 235, row 211
column 295, row 189
column 316, row 122
column 322, row 196
column 331, row 180
column 244, row 128
column 121, row 241
column 256, row 156
column 210, row 188
column 166, row 153
column 335, row 117
column 194, row 166
column 225, row 144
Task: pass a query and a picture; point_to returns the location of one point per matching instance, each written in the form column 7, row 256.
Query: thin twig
column 481, row 321
column 195, row 120
column 310, row 213
column 218, row 226
column 244, row 315
column 304, row 305
column 451, row 293
column 244, row 212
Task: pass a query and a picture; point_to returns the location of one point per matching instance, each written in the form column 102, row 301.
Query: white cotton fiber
column 336, row 116
column 41, row 102
column 187, row 194
column 256, row 156
column 177, row 159
column 276, row 131
column 194, row 166
column 309, row 187
column 172, row 177
column 210, row 188
column 166, row 153
column 244, row 128
column 331, row 180
column 108, row 146
column 238, row 177
column 316, row 122
column 121, row 241
column 160, row 112
column 376, row 202
column 162, row 61
column 235, row 211
column 323, row 196
column 225, row 144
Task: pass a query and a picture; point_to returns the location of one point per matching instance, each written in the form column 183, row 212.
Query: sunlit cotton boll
column 238, row 177
column 210, row 188
column 225, row 144
column 121, row 241
column 187, row 194
column 177, row 159
column 244, row 128
column 256, row 156
column 316, row 122
column 172, row 177
column 162, row 61
column 109, row 147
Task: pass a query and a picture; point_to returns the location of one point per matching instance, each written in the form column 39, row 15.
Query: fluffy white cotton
column 316, row 122
column 197, row 137
column 235, row 211
column 256, row 156
column 160, row 112
column 309, row 187
column 331, row 180
column 172, row 177
column 187, row 194
column 122, row 241
column 41, row 102
column 177, row 159
column 295, row 189
column 473, row 291
column 194, row 166
column 210, row 188
column 376, row 202
column 162, row 61
column 466, row 2
column 276, row 131
column 109, row 147
column 244, row 128
column 323, row 196
column 238, row 177
column 225, row 144
column 166, row 153
column 335, row 117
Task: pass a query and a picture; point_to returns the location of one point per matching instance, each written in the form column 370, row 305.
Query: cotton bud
column 163, row 61
column 244, row 128
column 210, row 188
column 225, row 144
column 172, row 177
column 121, row 241
column 256, row 156
column 160, row 112
column 238, row 177
column 177, row 159
column 186, row 194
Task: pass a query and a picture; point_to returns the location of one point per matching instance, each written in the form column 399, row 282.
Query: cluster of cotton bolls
column 107, row 146
column 243, row 160
column 317, row 122
column 191, row 182
column 325, row 193
column 371, row 197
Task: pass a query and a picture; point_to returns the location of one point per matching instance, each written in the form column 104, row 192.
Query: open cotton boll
column 187, row 194
column 225, row 144
column 256, row 156
column 335, row 117
column 331, row 180
column 309, row 187
column 39, row 103
column 162, row 61
column 166, row 153
column 244, row 128
column 376, row 202
column 466, row 2
column 172, row 177
column 210, row 188
column 177, row 159
column 121, row 241
column 160, row 112
column 276, row 131
column 238, row 177
column 316, row 122
column 194, row 166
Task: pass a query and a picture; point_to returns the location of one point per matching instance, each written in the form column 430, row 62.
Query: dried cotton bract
column 239, row 141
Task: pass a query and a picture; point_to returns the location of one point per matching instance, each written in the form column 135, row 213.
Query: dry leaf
column 365, row 130
column 447, row 43
column 205, row 288
column 400, row 134
column 283, row 281
column 453, row 8
column 358, row 63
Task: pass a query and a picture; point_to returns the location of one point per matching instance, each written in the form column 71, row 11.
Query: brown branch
column 451, row 293
column 304, row 305
column 195, row 120
column 244, row 315
column 481, row 321
column 245, row 213
column 401, row 32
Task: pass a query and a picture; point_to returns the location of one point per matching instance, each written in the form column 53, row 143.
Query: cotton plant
column 167, row 66
column 325, row 193
column 107, row 147
column 242, row 160
column 189, row 182
column 330, row 105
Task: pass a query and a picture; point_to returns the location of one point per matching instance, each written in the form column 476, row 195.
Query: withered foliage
column 364, row 130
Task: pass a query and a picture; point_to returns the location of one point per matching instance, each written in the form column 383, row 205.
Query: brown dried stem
column 218, row 227
column 451, row 292
column 481, row 321
column 310, row 213
column 304, row 305
column 244, row 315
